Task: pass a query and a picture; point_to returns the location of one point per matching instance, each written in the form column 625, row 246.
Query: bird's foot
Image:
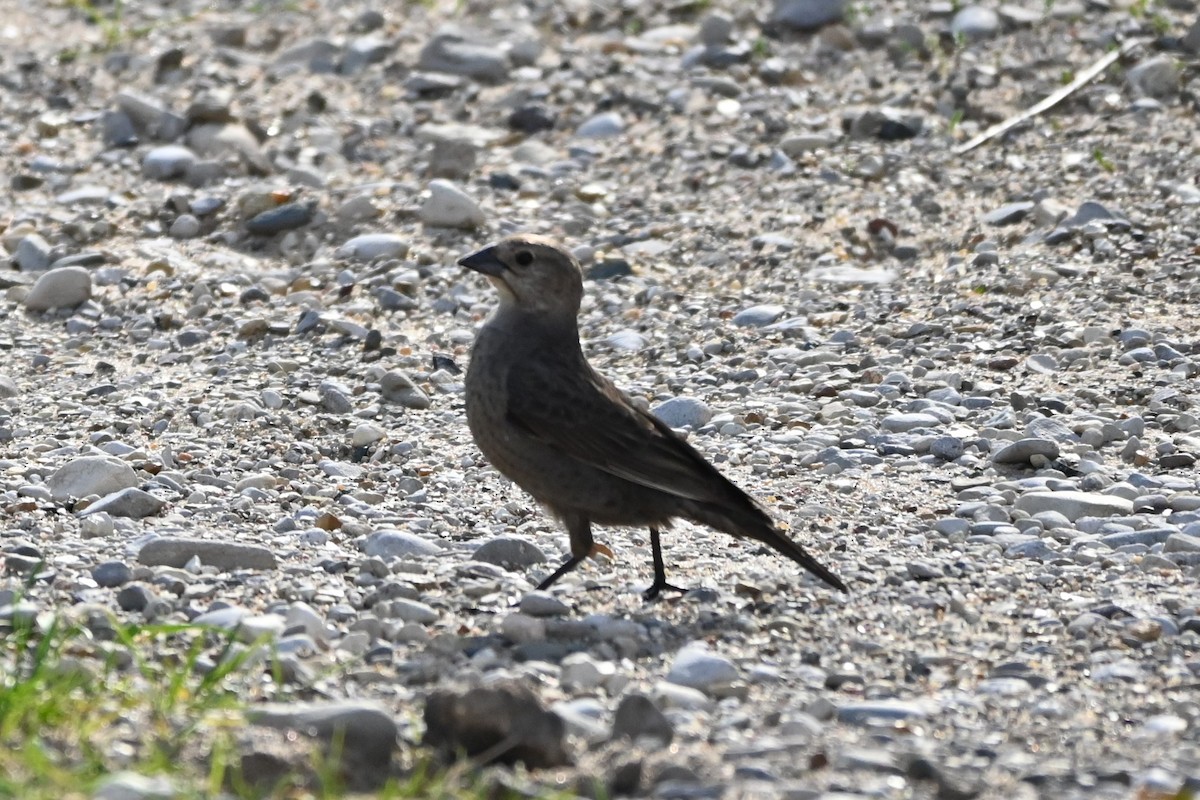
column 657, row 588
column 601, row 550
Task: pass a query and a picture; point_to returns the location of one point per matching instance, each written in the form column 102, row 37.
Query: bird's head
column 531, row 273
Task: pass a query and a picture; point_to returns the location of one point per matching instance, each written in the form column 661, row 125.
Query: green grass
column 74, row 709
column 79, row 705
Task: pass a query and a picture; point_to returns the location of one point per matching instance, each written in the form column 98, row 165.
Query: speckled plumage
column 569, row 437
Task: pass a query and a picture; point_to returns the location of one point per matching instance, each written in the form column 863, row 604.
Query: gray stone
column 396, row 387
column 698, row 668
column 185, row 226
column 458, row 51
column 509, row 552
column 638, row 718
column 111, row 574
column 683, row 412
column 64, row 287
column 132, row 503
column 172, row 551
column 363, row 735
column 1156, row 77
column 371, row 246
column 448, row 206
column 902, row 423
column 807, row 15
column 1007, row 214
column 387, row 544
column 1181, row 543
column 758, row 316
column 886, row 710
column 167, row 162
column 1022, row 450
column 602, row 126
column 1074, row 504
column 543, row 604
column 90, row 475
column 975, row 22
column 506, row 722
column 33, row 253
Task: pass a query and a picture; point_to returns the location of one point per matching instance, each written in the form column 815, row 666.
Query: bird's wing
column 581, row 414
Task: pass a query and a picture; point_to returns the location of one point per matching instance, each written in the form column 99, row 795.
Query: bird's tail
column 755, row 524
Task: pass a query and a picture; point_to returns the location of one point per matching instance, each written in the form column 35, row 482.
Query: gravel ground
column 234, row 339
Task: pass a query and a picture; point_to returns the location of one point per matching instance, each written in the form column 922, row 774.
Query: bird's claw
column 657, row 588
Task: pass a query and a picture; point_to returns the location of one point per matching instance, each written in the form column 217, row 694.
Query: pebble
column 90, row 475
column 389, row 544
column 862, row 713
column 543, row 604
column 64, row 287
column 975, row 22
column 458, row 51
column 167, row 162
column 372, row 246
column 510, row 552
column 758, row 316
column 397, row 387
column 1025, row 451
column 111, row 574
column 358, row 731
column 697, row 668
column 807, row 15
column 133, row 503
column 1073, row 504
column 448, row 206
column 601, row 126
column 639, row 719
column 683, row 412
column 33, row 253
column 173, row 551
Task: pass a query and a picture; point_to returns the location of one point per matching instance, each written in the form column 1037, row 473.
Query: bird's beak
column 484, row 262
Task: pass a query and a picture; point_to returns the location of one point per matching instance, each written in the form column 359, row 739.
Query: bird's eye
column 523, row 258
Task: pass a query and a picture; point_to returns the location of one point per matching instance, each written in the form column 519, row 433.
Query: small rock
column 388, row 544
column 1156, row 77
column 362, row 735
column 167, row 162
column 111, row 574
column 758, row 316
column 371, row 246
column 698, row 668
column 132, row 503
column 172, row 551
column 808, row 15
column 886, row 710
column 89, row 475
column 1022, row 450
column 64, row 287
column 683, row 412
column 458, row 51
column 33, row 253
column 396, row 387
column 601, row 126
column 450, row 207
column 639, row 718
column 975, row 22
column 1073, row 504
column 506, row 721
column 510, row 552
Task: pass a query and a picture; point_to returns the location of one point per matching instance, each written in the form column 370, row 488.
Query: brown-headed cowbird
column 570, row 438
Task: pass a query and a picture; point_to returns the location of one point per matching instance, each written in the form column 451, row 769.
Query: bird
column 569, row 437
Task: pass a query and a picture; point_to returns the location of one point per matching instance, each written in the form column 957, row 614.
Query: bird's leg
column 567, row 566
column 579, row 528
column 660, row 571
